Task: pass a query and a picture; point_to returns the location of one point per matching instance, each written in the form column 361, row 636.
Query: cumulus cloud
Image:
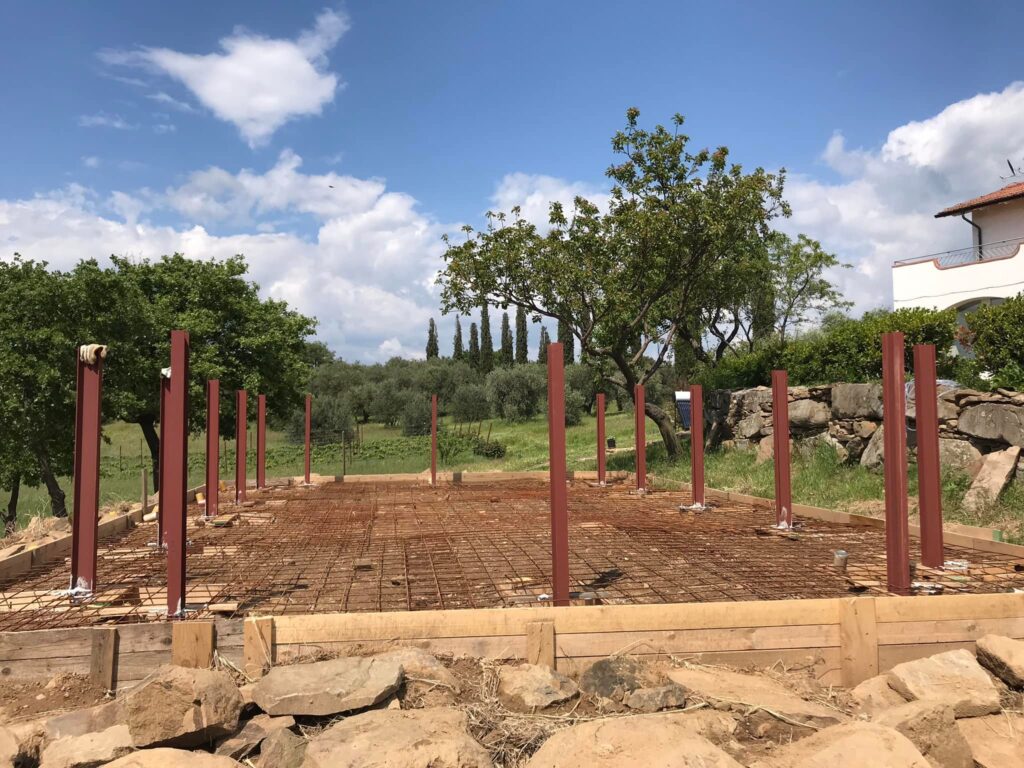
column 366, row 271
column 534, row 193
column 254, row 82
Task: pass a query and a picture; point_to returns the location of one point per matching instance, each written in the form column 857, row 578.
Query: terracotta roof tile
column 1009, row 192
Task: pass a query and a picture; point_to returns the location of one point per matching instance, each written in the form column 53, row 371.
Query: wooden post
column 103, row 658
column 929, row 482
column 601, row 455
column 192, row 644
column 258, row 644
column 858, row 640
column 556, row 463
column 894, row 415
column 540, row 643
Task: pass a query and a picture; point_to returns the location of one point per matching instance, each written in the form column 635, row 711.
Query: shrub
column 330, row 419
column 491, row 449
column 416, row 416
column 388, row 403
column 515, row 393
column 574, row 406
column 997, row 336
column 469, row 403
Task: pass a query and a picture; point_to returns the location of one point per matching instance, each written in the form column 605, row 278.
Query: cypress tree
column 568, row 342
column 522, row 339
column 474, row 347
column 542, row 352
column 486, row 342
column 457, row 351
column 506, row 357
column 432, row 350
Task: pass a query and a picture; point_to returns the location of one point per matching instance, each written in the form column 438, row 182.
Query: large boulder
column 957, row 454
column 1003, row 657
column 396, row 738
column 182, row 707
column 931, row 726
column 808, row 415
column 612, row 678
column 846, row 746
column 88, row 751
column 252, row 735
column 997, row 422
column 997, row 470
column 996, row 741
column 528, row 687
column 874, row 452
column 857, row 401
column 421, row 666
column 953, row 677
column 8, row 747
column 749, row 427
column 669, row 696
column 875, row 695
column 82, row 721
column 747, row 692
column 642, row 741
column 282, row 749
column 173, row 758
column 327, row 687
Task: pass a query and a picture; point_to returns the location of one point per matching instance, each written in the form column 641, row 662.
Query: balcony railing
column 976, row 253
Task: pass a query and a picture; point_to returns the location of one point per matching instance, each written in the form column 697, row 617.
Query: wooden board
column 858, row 640
column 192, row 644
column 540, row 643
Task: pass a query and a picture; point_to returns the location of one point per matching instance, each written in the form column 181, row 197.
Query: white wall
column 923, row 284
column 999, row 222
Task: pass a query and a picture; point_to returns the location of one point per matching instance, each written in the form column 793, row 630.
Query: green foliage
column 388, row 403
column 486, row 342
column 489, row 449
column 568, row 342
column 997, row 341
column 542, row 350
column 574, row 408
column 515, row 393
column 474, row 347
column 470, row 404
column 331, row 421
column 458, row 353
column 432, row 347
column 506, row 355
column 522, row 338
column 416, row 416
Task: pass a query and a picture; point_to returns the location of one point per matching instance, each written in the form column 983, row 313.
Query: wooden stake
column 258, row 644
column 103, row 658
column 540, row 643
column 192, row 644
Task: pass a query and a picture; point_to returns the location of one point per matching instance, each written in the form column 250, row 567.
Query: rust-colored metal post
column 212, row 447
column 261, row 441
column 556, row 462
column 309, row 422
column 88, row 425
column 601, row 456
column 433, row 439
column 697, row 444
column 780, row 440
column 172, row 497
column 894, row 412
column 241, row 422
column 929, row 483
column 640, row 402
column 165, row 389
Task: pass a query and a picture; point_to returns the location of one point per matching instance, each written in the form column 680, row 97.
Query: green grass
column 818, row 478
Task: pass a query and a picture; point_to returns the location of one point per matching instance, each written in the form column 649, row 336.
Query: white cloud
column 167, row 100
column 91, row 161
column 256, row 83
column 162, row 128
column 883, row 207
column 534, row 193
column 103, row 120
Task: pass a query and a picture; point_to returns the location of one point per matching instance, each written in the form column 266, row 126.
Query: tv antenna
column 1014, row 171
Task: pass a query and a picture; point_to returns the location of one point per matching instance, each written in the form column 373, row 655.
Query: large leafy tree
column 626, row 281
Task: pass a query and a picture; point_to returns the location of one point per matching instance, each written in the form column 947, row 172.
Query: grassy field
column 818, row 479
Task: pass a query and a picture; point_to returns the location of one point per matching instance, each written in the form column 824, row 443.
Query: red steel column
column 261, row 441
column 172, row 497
column 241, row 420
column 212, row 447
column 88, row 400
column 894, row 412
column 433, row 439
column 780, row 439
column 929, row 483
column 697, row 443
column 640, row 417
column 556, row 462
column 165, row 388
column 601, row 457
column 309, row 421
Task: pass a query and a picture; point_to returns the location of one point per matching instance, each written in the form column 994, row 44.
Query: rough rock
column 994, row 421
column 853, row 744
column 182, row 708
column 749, row 427
column 642, row 741
column 953, row 677
column 327, row 687
column 875, row 695
column 810, row 445
column 252, row 734
column 805, row 415
column 857, row 401
column 765, row 451
column 996, row 741
column 931, row 726
column 88, row 751
column 415, row 738
column 83, row 721
column 997, row 469
column 172, row 758
column 656, row 699
column 957, row 454
column 748, row 691
column 612, row 678
column 874, row 452
column 865, row 429
column 8, row 747
column 282, row 749
column 1003, row 657
column 528, row 687
column 30, row 736
column 417, row 663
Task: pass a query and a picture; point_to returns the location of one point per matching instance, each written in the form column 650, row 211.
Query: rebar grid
column 396, row 546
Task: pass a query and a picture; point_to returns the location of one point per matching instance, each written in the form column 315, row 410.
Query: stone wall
column 849, row 418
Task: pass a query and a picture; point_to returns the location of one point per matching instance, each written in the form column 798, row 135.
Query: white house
column 987, row 272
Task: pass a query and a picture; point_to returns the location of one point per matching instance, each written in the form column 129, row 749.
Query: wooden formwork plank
column 858, row 640
column 540, row 643
column 891, row 655
column 258, row 644
column 957, row 630
column 193, row 644
column 950, row 607
column 510, row 647
column 104, row 657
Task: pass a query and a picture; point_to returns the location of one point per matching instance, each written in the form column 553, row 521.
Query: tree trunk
column 148, row 424
column 10, row 518
column 673, row 447
column 57, row 505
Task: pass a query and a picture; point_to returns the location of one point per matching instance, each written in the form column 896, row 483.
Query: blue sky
column 334, row 144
